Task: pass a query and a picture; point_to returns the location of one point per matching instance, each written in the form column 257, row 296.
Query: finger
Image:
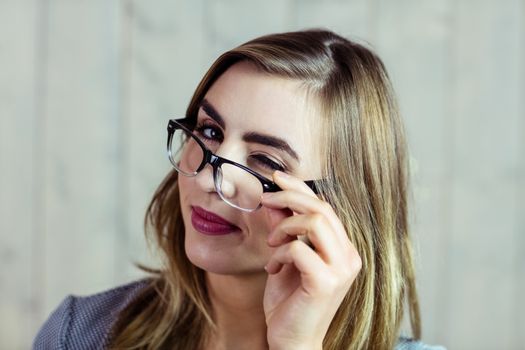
column 288, row 182
column 302, row 203
column 297, row 201
column 314, row 227
column 300, row 255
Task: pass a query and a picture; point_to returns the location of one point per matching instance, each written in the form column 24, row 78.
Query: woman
column 284, row 222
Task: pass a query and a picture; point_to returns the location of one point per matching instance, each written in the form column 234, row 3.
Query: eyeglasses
column 238, row 185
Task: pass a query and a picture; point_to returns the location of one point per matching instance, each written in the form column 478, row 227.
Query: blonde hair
column 366, row 164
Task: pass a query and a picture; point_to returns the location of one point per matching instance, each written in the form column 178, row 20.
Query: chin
column 222, row 256
column 224, row 264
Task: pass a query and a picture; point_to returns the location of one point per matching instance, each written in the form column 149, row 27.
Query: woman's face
column 258, row 120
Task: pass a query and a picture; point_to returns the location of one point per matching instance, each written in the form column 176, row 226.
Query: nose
column 225, row 182
column 220, row 180
column 208, row 183
column 225, row 178
column 204, row 179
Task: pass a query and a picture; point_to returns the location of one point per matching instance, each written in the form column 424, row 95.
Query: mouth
column 211, row 224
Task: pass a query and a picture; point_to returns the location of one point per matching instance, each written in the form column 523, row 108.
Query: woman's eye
column 208, row 132
column 262, row 162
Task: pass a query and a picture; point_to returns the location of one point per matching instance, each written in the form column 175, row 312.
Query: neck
column 237, row 303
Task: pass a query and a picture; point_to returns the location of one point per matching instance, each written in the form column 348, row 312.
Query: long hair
column 365, row 162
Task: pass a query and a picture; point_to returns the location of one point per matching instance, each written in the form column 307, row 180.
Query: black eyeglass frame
column 216, row 161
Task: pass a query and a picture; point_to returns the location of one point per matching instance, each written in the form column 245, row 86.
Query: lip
column 209, row 223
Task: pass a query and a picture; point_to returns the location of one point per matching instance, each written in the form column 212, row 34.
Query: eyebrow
column 252, row 137
column 212, row 113
column 271, row 141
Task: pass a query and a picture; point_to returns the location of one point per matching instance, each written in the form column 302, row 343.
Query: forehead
column 252, row 101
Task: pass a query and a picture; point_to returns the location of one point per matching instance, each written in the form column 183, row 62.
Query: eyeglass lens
column 235, row 186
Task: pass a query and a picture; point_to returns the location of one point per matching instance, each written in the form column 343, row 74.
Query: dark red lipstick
column 209, row 223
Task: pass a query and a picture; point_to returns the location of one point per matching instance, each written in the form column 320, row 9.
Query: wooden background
column 86, row 88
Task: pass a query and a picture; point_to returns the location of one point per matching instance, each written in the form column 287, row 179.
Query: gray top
column 84, row 322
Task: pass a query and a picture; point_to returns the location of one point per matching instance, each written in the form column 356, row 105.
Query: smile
column 210, row 224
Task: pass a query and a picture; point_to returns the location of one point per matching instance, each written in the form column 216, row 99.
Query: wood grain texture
column 519, row 233
column 481, row 249
column 414, row 40
column 225, row 19
column 17, row 190
column 165, row 62
column 352, row 19
column 86, row 89
column 79, row 175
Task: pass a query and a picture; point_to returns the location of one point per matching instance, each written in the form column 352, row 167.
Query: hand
column 307, row 281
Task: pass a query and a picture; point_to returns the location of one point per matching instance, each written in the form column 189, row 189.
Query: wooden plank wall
column 86, row 88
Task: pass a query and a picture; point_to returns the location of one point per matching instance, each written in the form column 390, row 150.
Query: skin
column 267, row 288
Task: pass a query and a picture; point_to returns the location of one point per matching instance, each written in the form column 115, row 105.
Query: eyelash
column 261, row 159
column 199, row 130
column 268, row 163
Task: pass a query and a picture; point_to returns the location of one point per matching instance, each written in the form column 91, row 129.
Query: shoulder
column 405, row 343
column 84, row 322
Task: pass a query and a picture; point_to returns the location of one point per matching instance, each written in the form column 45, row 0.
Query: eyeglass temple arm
column 273, row 187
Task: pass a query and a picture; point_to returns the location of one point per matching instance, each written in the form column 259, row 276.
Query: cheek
column 258, row 226
column 185, row 186
column 185, row 193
